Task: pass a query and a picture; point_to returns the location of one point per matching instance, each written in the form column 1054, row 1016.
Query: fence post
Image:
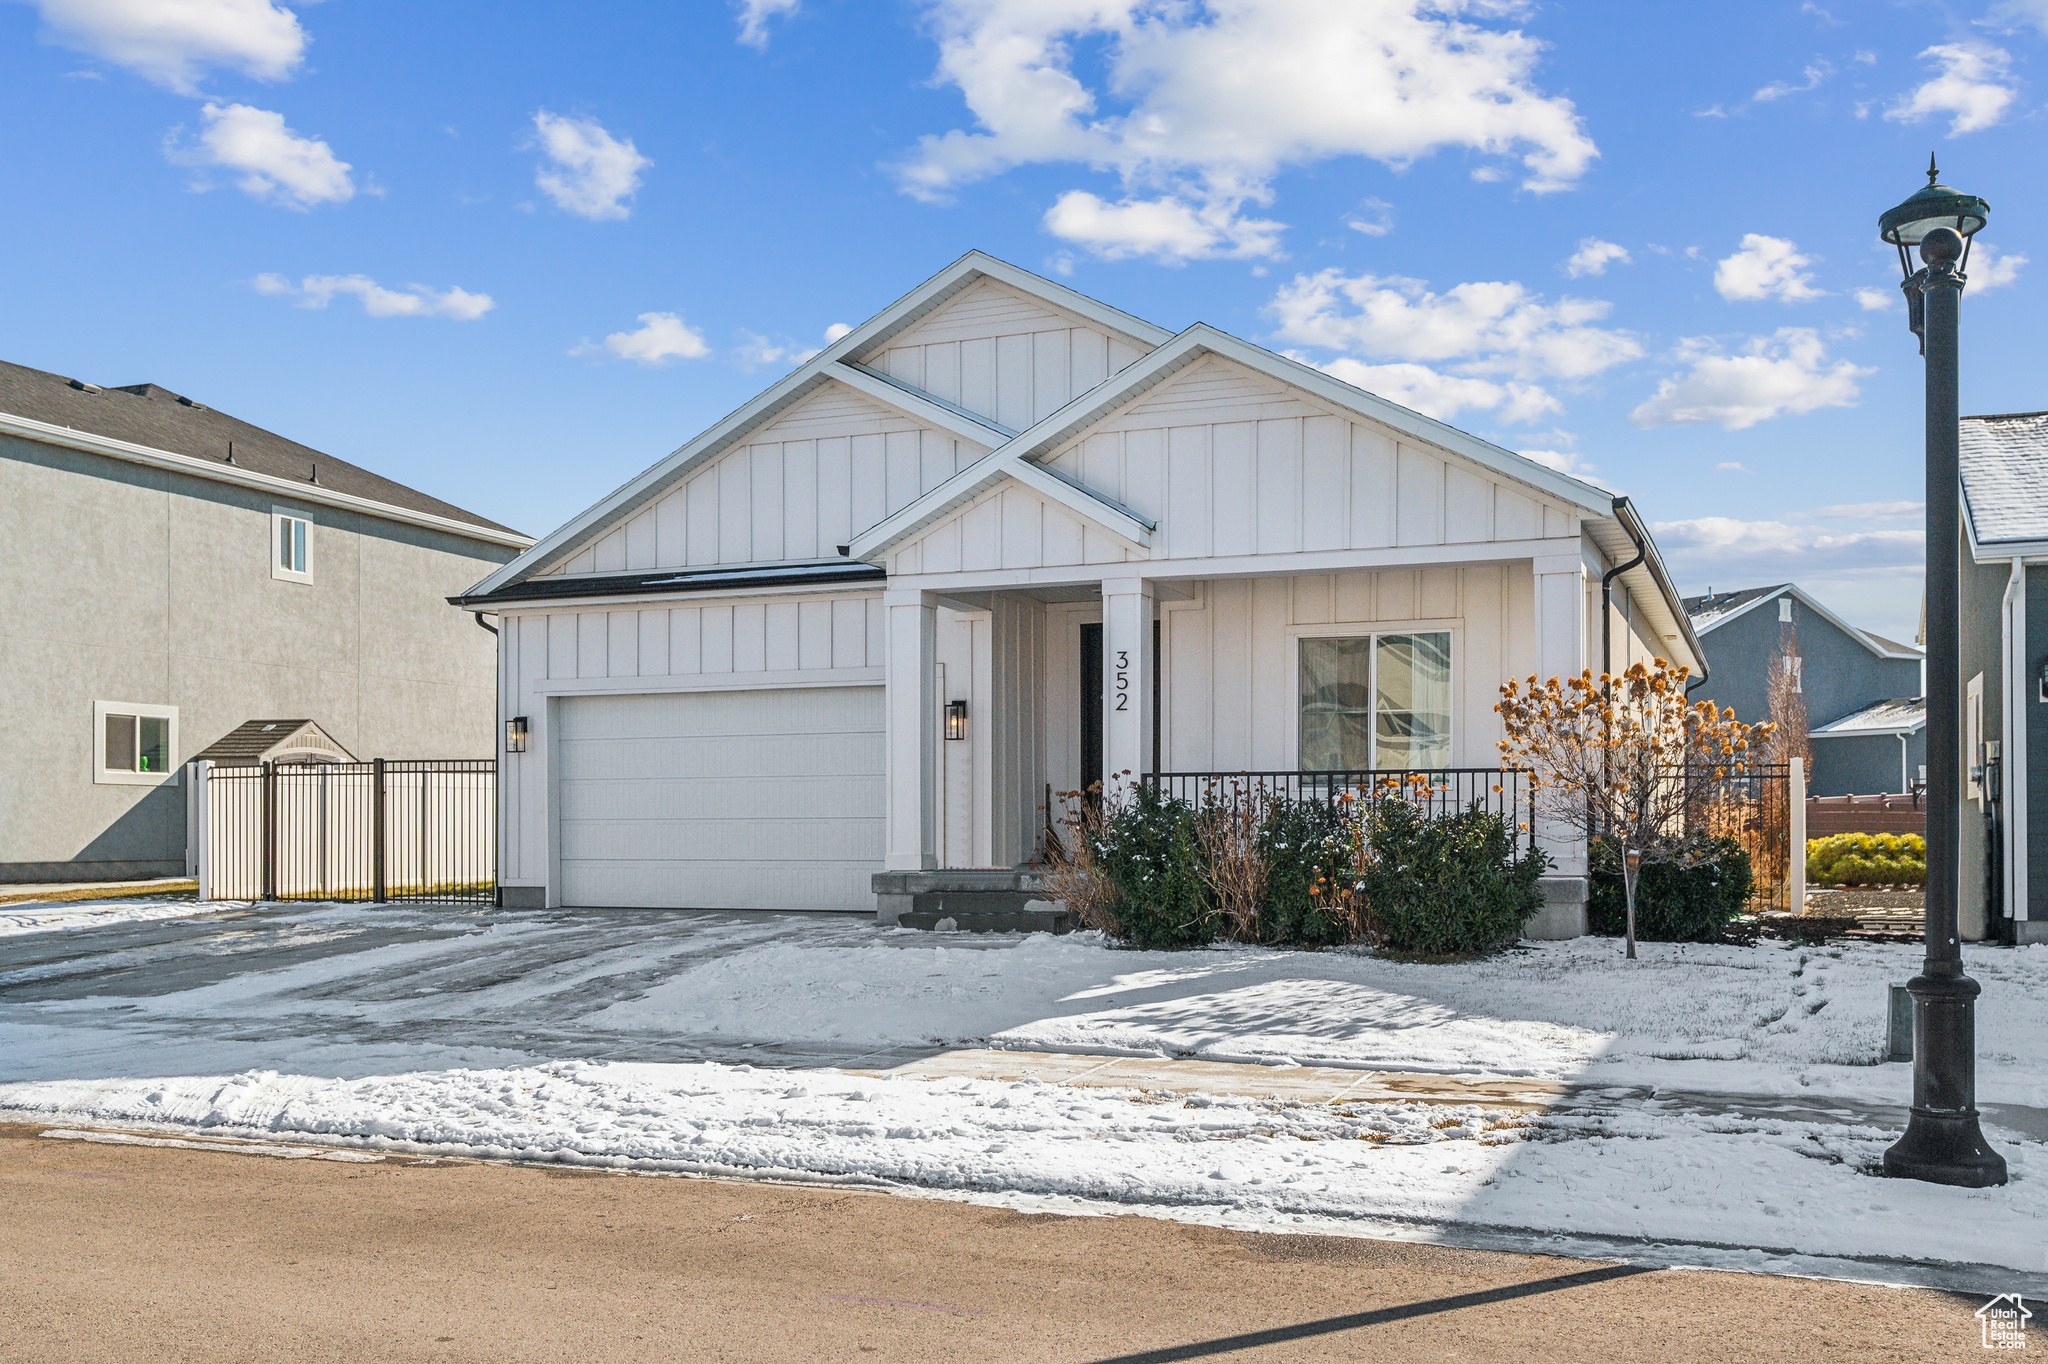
column 268, row 886
column 377, row 830
column 199, row 825
column 1795, row 872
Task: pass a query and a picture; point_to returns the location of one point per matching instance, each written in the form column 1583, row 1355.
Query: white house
column 738, row 681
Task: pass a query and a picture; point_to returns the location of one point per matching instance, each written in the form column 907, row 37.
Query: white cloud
column 2019, row 12
column 835, row 331
column 1375, row 218
column 754, row 16
column 756, row 350
column 1787, row 372
column 1991, row 270
column 1201, row 106
column 1816, row 72
column 1731, row 466
column 1443, row 396
column 1168, row 229
column 1594, row 256
column 174, row 42
column 275, row 163
column 1971, row 86
column 1490, row 328
column 588, row 172
column 1876, row 300
column 1564, row 461
column 1765, row 267
column 1871, row 511
column 660, row 338
column 1773, row 551
column 415, row 300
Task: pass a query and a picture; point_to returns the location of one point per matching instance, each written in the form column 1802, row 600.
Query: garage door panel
column 780, row 841
column 768, row 798
column 721, row 800
column 698, row 885
column 774, row 755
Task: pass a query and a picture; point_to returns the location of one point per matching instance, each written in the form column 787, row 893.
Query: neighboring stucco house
column 2003, row 862
column 1003, row 539
column 1862, row 690
column 171, row 573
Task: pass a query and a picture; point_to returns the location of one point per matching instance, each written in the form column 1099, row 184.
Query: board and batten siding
column 1008, row 526
column 1229, row 462
column 673, row 647
column 1003, row 355
column 796, row 489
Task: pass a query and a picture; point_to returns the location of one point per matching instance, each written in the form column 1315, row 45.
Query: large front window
column 1376, row 701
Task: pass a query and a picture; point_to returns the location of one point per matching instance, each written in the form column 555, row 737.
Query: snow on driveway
column 51, row 916
column 580, row 1036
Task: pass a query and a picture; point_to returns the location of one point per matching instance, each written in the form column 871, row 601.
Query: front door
column 1091, row 706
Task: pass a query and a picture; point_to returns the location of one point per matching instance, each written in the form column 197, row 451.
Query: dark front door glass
column 1091, row 706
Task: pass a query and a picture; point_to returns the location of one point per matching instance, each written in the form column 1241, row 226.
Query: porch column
column 910, row 706
column 1126, row 679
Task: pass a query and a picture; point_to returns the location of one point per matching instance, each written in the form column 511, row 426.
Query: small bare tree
column 1072, row 874
column 1623, row 758
column 1233, row 861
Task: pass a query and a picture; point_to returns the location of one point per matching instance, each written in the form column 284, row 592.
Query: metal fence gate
column 423, row 830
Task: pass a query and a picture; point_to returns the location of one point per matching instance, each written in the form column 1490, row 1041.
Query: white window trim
column 1973, row 739
column 1372, row 630
column 277, row 569
column 1784, row 610
column 101, row 776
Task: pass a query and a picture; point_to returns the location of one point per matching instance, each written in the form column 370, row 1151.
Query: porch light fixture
column 1942, row 1143
column 515, row 734
column 956, row 719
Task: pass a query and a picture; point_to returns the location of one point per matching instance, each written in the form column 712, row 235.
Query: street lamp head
column 1935, row 205
column 1942, row 246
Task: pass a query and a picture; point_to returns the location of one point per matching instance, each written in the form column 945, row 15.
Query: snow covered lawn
column 579, row 1037
column 49, row 916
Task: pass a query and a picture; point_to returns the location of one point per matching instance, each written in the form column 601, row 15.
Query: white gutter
column 221, row 473
column 2014, row 768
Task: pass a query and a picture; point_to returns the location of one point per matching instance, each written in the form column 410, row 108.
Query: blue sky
column 513, row 254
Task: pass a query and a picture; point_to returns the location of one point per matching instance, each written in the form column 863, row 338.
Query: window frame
column 1375, row 631
column 101, row 776
column 278, row 517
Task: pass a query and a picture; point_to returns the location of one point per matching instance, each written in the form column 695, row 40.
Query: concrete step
column 990, row 920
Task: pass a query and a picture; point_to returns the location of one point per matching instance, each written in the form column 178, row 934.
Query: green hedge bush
column 1690, row 892
column 1449, row 886
column 1303, row 841
column 1151, row 853
column 1867, row 860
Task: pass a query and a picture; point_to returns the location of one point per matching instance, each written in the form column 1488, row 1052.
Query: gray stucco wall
column 129, row 584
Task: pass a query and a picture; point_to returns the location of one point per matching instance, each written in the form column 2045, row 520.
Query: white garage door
column 722, row 800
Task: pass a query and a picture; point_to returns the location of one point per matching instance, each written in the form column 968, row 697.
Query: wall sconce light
column 515, row 734
column 956, row 719
column 2044, row 680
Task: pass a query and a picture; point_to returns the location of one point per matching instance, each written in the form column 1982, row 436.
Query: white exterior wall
column 765, row 641
column 1003, row 355
column 800, row 487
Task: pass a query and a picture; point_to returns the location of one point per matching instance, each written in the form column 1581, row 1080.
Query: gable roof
column 2005, row 480
column 254, row 742
column 1710, row 613
column 1901, row 715
column 834, row 363
column 148, row 418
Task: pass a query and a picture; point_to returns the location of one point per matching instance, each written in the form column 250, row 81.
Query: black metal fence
column 1439, row 791
column 387, row 830
column 1751, row 804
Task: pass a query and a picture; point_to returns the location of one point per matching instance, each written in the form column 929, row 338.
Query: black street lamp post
column 1943, row 1143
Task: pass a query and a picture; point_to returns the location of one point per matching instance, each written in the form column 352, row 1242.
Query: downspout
column 1607, row 588
column 2014, row 768
column 481, row 621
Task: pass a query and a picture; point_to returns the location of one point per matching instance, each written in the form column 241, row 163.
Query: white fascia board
column 289, row 489
column 920, row 406
column 963, row 487
column 1066, row 299
column 1889, row 733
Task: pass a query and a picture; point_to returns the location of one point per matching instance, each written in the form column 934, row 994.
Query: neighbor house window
column 291, row 547
column 1795, row 668
column 1785, row 610
column 1376, row 701
column 134, row 744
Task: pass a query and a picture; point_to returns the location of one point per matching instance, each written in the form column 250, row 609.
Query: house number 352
column 1123, row 680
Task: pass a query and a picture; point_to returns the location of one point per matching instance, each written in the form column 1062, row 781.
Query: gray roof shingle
column 1879, row 717
column 1710, row 610
column 152, row 416
column 2005, row 476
